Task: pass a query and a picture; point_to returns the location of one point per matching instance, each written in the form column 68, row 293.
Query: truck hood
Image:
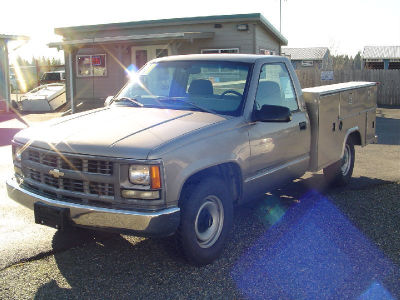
column 125, row 132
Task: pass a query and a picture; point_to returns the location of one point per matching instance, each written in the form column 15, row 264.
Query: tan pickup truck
column 187, row 139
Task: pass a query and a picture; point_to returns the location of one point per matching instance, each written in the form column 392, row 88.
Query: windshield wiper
column 172, row 100
column 131, row 100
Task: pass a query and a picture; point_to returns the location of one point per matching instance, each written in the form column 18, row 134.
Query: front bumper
column 159, row 223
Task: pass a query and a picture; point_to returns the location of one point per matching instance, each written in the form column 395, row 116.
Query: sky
column 344, row 26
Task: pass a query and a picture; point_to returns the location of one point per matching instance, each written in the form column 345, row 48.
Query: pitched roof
column 179, row 21
column 313, row 53
column 371, row 52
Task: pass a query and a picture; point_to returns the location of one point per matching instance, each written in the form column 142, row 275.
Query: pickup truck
column 186, row 140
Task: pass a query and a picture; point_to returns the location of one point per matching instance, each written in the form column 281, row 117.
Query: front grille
column 53, row 159
column 77, row 179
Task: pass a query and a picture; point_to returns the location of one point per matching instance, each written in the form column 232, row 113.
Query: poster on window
column 91, row 65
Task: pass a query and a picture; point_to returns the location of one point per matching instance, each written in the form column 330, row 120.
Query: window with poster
column 221, row 51
column 267, row 52
column 215, row 51
column 91, row 65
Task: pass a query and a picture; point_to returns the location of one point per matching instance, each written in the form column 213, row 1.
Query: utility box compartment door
column 330, row 136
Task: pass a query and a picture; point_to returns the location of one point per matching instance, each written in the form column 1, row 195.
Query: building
column 97, row 56
column 303, row 58
column 381, row 57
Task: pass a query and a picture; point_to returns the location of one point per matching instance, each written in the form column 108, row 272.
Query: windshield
column 210, row 86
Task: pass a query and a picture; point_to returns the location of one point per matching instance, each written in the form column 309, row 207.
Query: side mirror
column 108, row 101
column 273, row 113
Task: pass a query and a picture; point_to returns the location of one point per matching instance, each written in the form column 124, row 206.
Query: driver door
column 279, row 150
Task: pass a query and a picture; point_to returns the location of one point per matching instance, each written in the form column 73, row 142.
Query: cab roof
column 244, row 58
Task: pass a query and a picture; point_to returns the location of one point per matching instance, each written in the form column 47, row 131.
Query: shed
column 97, row 56
column 309, row 57
column 381, row 57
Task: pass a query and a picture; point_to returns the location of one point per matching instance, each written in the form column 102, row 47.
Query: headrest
column 201, row 87
column 269, row 92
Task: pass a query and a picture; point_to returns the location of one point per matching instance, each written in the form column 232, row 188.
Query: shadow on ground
column 388, row 131
column 7, row 134
column 6, row 116
column 297, row 242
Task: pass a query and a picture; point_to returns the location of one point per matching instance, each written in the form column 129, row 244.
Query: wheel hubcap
column 209, row 222
column 346, row 160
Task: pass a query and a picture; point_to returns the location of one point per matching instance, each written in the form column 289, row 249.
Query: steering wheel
column 231, row 92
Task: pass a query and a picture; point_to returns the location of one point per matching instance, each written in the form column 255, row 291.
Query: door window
column 275, row 87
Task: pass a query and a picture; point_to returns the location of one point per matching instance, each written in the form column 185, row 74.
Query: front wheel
column 339, row 173
column 206, row 220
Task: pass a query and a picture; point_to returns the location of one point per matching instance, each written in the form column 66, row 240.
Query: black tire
column 14, row 105
column 206, row 221
column 339, row 173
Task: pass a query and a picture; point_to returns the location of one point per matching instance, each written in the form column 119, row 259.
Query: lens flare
column 18, row 73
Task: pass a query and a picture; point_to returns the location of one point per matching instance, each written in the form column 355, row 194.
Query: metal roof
column 177, row 21
column 314, row 53
column 379, row 52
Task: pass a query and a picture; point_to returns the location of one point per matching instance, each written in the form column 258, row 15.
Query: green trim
column 175, row 21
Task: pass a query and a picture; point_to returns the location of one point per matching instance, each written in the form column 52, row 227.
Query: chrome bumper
column 160, row 223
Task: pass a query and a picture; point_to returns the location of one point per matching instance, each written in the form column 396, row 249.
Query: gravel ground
column 299, row 242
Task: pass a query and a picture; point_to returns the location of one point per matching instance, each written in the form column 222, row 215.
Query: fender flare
column 348, row 133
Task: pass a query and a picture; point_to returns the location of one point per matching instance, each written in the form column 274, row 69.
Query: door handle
column 303, row 125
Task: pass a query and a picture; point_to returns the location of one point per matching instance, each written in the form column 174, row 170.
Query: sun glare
column 18, row 73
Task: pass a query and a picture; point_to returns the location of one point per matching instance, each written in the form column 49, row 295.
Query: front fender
column 182, row 163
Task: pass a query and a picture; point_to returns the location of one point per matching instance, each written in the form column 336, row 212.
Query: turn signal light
column 155, row 177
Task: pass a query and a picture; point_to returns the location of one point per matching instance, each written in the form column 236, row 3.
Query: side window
column 275, row 87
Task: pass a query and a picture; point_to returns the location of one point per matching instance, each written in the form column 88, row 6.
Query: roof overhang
column 141, row 37
column 7, row 37
column 238, row 18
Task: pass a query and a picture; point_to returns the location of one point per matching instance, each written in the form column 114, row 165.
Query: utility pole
column 280, row 15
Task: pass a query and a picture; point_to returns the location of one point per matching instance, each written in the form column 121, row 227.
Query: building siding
column 119, row 53
column 264, row 40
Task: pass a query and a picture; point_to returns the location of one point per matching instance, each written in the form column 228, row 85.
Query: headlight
column 146, row 175
column 139, row 174
column 17, row 153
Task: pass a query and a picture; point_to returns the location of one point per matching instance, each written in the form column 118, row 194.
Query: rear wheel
column 339, row 173
column 206, row 220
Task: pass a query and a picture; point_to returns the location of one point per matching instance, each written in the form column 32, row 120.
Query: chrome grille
column 56, row 160
column 68, row 184
column 82, row 180
column 74, row 185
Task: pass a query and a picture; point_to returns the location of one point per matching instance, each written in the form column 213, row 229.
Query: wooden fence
column 388, row 88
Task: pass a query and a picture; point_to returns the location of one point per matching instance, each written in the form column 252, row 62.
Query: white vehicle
column 44, row 98
column 53, row 77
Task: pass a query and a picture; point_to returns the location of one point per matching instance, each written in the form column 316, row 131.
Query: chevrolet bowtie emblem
column 56, row 173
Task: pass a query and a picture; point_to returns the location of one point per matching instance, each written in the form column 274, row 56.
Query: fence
column 388, row 88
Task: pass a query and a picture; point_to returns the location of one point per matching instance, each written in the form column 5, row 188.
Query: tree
column 357, row 61
column 340, row 62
